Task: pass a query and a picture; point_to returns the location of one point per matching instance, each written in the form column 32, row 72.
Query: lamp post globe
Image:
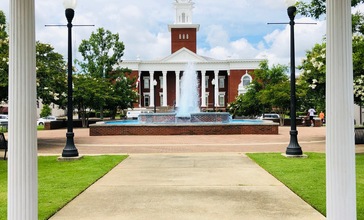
column 70, row 149
column 293, row 148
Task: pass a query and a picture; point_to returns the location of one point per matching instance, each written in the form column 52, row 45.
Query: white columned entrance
column 22, row 135
column 177, row 87
column 151, row 88
column 216, row 88
column 164, row 88
column 340, row 146
column 203, row 88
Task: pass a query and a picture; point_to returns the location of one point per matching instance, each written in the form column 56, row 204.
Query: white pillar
column 203, row 88
column 177, row 87
column 140, row 88
column 164, row 88
column 22, row 138
column 340, row 147
column 151, row 89
column 216, row 88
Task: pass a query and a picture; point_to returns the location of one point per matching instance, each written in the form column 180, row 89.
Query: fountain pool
column 187, row 120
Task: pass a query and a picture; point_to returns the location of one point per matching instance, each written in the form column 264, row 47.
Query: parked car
column 41, row 121
column 133, row 114
column 4, row 120
column 269, row 116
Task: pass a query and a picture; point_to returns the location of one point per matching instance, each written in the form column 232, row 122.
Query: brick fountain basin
column 203, row 123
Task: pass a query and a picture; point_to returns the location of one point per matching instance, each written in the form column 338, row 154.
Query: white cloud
column 228, row 29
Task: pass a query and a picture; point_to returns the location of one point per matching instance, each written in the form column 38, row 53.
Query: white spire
column 183, row 11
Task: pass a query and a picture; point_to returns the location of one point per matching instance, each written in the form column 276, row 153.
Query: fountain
column 187, row 120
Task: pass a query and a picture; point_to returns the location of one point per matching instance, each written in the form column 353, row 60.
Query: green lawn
column 306, row 177
column 60, row 182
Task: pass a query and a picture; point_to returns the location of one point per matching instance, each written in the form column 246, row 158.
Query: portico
column 217, row 79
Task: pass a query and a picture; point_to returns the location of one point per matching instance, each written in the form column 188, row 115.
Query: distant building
column 159, row 80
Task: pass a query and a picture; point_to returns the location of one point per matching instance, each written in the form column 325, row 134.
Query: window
column 180, row 36
column 222, row 99
column 161, row 82
column 146, row 82
column 222, row 82
column 146, row 99
column 246, row 80
column 161, row 99
column 187, row 36
column 183, row 18
column 207, row 98
column 207, row 82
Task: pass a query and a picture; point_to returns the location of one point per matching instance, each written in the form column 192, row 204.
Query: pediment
column 183, row 55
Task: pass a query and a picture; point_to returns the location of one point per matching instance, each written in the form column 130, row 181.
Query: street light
column 70, row 149
column 213, row 94
column 293, row 148
column 155, row 94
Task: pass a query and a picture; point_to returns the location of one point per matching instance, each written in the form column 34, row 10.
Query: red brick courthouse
column 159, row 80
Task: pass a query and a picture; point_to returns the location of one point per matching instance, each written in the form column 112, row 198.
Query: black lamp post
column 70, row 149
column 293, row 146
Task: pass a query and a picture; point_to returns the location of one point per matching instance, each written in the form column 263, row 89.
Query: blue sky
column 228, row 29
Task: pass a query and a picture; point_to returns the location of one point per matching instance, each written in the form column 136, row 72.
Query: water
column 233, row 121
column 189, row 96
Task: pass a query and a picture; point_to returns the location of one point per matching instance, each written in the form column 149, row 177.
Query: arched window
column 180, row 36
column 246, row 80
column 183, row 36
column 183, row 18
column 187, row 36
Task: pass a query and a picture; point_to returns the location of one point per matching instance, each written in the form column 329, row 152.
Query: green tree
column 87, row 93
column 4, row 58
column 100, row 53
column 316, row 8
column 269, row 91
column 46, row 111
column 51, row 72
column 51, row 75
column 312, row 80
column 123, row 93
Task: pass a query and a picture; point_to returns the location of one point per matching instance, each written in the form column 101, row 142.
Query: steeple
column 183, row 11
column 183, row 31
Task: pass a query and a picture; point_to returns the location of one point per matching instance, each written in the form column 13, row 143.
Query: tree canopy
column 269, row 91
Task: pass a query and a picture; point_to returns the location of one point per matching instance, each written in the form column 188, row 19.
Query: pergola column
column 340, row 146
column 164, row 88
column 203, row 88
column 151, row 88
column 177, row 87
column 22, row 133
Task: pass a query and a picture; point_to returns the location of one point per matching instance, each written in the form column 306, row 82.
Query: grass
column 60, row 182
column 306, row 177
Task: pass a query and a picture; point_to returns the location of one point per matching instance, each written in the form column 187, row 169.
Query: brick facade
column 180, row 129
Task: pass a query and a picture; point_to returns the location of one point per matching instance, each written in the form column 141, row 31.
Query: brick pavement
column 311, row 139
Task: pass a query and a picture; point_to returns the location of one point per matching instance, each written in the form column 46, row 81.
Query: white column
column 177, row 87
column 340, row 147
column 140, row 88
column 203, row 88
column 22, row 135
column 151, row 89
column 164, row 88
column 216, row 88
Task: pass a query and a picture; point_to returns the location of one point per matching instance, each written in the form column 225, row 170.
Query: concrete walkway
column 186, row 177
column 188, row 186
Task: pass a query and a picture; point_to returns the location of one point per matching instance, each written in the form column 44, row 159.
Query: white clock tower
column 183, row 31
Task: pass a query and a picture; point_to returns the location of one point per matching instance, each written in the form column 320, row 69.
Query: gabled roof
column 184, row 55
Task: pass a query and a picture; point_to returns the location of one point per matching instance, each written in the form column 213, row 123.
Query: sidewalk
column 186, row 177
column 188, row 186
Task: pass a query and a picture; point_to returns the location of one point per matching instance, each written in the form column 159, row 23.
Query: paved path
column 186, row 177
column 188, row 186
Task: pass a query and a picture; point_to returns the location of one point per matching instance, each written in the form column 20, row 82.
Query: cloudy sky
column 228, row 29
